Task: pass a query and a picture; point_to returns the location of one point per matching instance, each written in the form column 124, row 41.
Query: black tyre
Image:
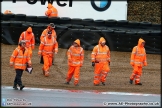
column 76, row 21
column 42, row 19
column 64, row 20
column 144, row 23
column 77, row 26
column 108, row 31
column 133, row 23
column 54, row 20
column 16, row 23
column 122, row 22
column 111, row 22
column 31, row 18
column 155, row 33
column 119, row 32
column 8, row 16
column 5, row 23
column 20, row 17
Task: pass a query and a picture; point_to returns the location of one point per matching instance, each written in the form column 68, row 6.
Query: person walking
column 47, row 48
column 138, row 60
column 51, row 11
column 19, row 59
column 75, row 56
column 29, row 38
column 100, row 58
column 50, row 27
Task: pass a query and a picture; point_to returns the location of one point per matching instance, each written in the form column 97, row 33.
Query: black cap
column 52, row 25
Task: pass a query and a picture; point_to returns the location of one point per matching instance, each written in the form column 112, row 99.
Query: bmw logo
column 100, row 5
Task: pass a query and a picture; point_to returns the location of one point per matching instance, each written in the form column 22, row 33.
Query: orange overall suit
column 52, row 11
column 100, row 58
column 50, row 27
column 48, row 47
column 29, row 38
column 75, row 61
column 138, row 60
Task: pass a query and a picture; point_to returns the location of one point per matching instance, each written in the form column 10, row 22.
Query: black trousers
column 17, row 80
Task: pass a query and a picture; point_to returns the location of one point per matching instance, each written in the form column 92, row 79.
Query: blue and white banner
column 95, row 9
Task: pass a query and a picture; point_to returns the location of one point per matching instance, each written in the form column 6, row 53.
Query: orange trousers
column 47, row 63
column 73, row 70
column 137, row 72
column 100, row 72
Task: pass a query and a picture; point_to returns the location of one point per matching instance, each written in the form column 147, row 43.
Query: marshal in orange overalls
column 75, row 60
column 138, row 60
column 28, row 37
column 48, row 47
column 52, row 11
column 100, row 58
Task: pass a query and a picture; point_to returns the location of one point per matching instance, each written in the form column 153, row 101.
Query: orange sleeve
column 48, row 12
column 13, row 56
column 41, row 46
column 43, row 35
column 56, row 46
column 145, row 60
column 108, row 54
column 28, row 58
column 33, row 41
column 21, row 36
column 69, row 53
column 82, row 56
column 133, row 55
column 93, row 54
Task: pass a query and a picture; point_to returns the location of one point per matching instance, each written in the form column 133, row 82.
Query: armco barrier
column 120, row 35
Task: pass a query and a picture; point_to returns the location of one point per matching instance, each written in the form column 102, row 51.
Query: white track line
column 84, row 91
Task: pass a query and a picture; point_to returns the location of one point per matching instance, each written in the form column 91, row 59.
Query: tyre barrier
column 42, row 19
column 87, row 21
column 76, row 21
column 65, row 20
column 122, row 22
column 7, row 17
column 110, row 22
column 119, row 38
column 16, row 23
column 55, row 20
column 20, row 17
column 31, row 18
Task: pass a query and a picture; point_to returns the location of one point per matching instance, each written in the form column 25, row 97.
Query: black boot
column 138, row 84
column 66, row 83
column 15, row 86
column 131, row 81
column 103, row 83
column 21, row 87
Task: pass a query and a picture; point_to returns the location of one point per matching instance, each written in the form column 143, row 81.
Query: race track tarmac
column 44, row 97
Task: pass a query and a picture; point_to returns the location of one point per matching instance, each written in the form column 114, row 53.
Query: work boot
column 66, row 83
column 15, row 87
column 96, row 84
column 76, row 84
column 131, row 81
column 103, row 83
column 21, row 87
column 138, row 84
